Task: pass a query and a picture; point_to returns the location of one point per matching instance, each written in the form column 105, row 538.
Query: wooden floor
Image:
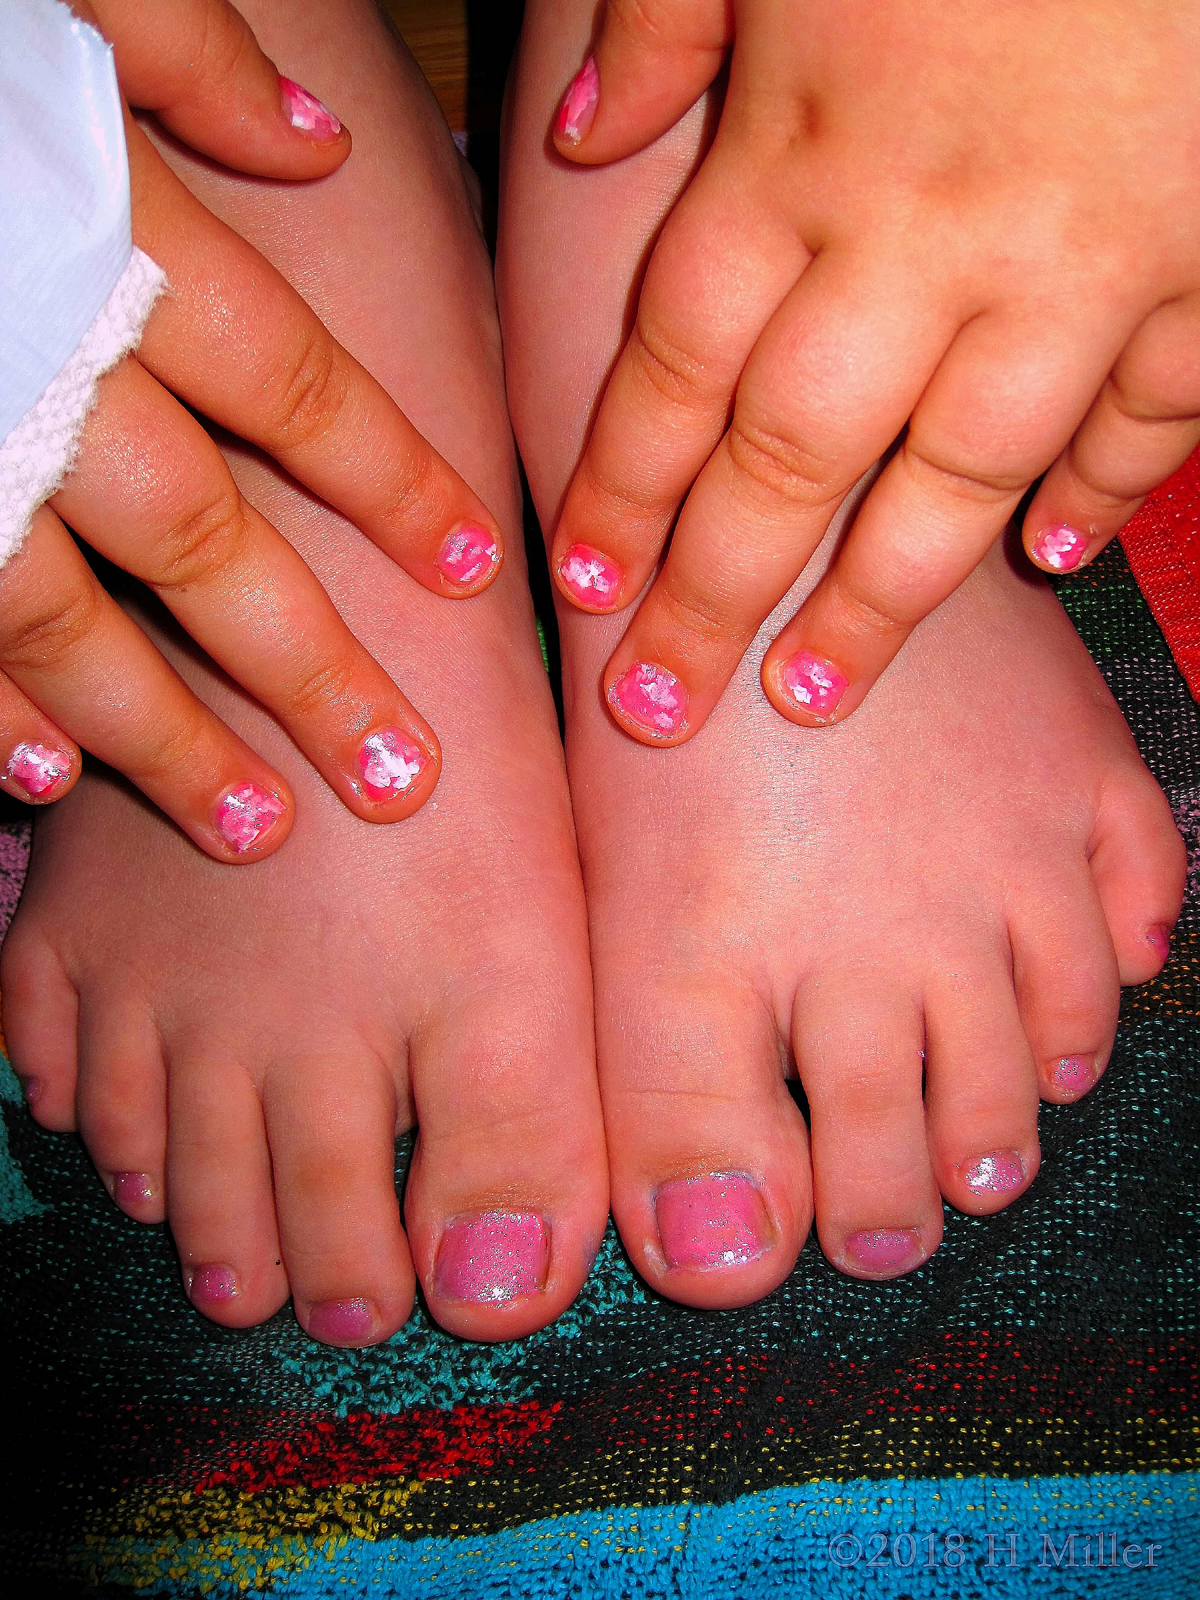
column 436, row 33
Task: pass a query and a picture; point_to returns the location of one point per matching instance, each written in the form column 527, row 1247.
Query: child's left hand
column 973, row 226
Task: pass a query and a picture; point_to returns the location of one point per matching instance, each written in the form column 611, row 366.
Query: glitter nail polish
column 1074, row 1074
column 1059, row 547
column 885, row 1251
column 244, row 814
column 132, row 1188
column 578, row 108
column 212, row 1285
column 652, row 697
column 466, row 554
column 1159, row 940
column 814, row 684
column 37, row 768
column 347, row 1322
column 306, row 113
column 493, row 1258
column 390, row 763
column 713, row 1221
column 591, row 577
column 998, row 1172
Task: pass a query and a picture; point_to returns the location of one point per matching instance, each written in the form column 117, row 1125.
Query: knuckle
column 674, row 374
column 702, row 613
column 644, row 20
column 972, row 481
column 318, row 689
column 779, row 466
column 202, row 544
column 52, row 631
column 167, row 748
column 306, row 397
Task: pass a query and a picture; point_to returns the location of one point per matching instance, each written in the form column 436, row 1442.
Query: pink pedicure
column 245, row 814
column 719, row 1220
column 340, row 1321
column 467, row 554
column 132, row 1188
column 815, row 685
column 212, row 1286
column 1074, row 1074
column 493, row 1258
column 390, row 764
column 306, row 113
column 590, row 576
column 1060, row 548
column 884, row 1250
column 652, row 697
column 998, row 1172
column 578, row 109
column 33, row 1089
column 1159, row 940
column 37, row 768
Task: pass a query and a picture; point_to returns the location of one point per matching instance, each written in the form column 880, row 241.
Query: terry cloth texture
column 1018, row 1419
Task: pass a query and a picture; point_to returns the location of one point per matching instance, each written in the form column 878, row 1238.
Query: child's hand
column 151, row 493
column 973, row 225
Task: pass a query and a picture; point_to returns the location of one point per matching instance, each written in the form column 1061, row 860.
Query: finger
column 197, row 65
column 653, row 59
column 40, row 763
column 1144, row 424
column 74, row 652
column 153, row 494
column 234, row 340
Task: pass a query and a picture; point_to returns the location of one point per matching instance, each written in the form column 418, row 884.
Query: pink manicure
column 132, row 1188
column 390, row 764
column 1060, row 547
column 884, row 1250
column 1074, row 1074
column 340, row 1321
column 815, row 685
column 467, row 554
column 493, row 1258
column 212, row 1286
column 1159, row 940
column 578, row 109
column 719, row 1220
column 305, row 112
column 996, row 1173
column 652, row 697
column 37, row 768
column 245, row 814
column 590, row 576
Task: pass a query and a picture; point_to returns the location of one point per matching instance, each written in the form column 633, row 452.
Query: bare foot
column 926, row 912
column 239, row 1047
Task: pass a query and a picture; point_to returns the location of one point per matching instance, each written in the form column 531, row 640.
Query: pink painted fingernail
column 652, row 697
column 37, row 768
column 1159, row 939
column 306, row 113
column 590, row 576
column 885, row 1251
column 493, row 1258
column 132, row 1188
column 466, row 554
column 340, row 1321
column 390, row 763
column 995, row 1173
column 578, row 109
column 1074, row 1074
column 212, row 1286
column 814, row 684
column 1060, row 547
column 245, row 814
column 718, row 1220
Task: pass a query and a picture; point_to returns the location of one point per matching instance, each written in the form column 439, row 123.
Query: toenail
column 591, row 577
column 33, row 1089
column 340, row 1321
column 493, row 1258
column 37, row 768
column 1159, row 939
column 578, row 107
column 132, row 1188
column 244, row 814
column 1059, row 547
column 652, row 697
column 884, row 1250
column 390, row 763
column 1074, row 1074
column 466, row 554
column 814, row 684
column 212, row 1286
column 718, row 1220
column 995, row 1173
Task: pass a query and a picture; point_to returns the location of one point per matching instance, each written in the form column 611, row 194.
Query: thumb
column 652, row 61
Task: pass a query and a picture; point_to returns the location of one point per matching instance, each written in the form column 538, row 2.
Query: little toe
column 41, row 1017
column 122, row 1103
column 1139, row 865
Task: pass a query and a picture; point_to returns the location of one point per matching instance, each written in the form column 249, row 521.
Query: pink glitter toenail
column 390, row 764
column 578, row 107
column 1060, row 547
column 1159, row 940
column 995, row 1173
column 884, row 1250
column 652, row 697
column 245, row 814
column 815, row 685
column 1074, row 1073
column 132, row 1188
column 33, row 1089
column 719, row 1220
column 37, row 768
column 493, row 1258
column 340, row 1321
column 467, row 554
column 212, row 1286
column 305, row 112
column 590, row 576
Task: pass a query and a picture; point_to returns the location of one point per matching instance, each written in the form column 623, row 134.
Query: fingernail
column 578, row 108
column 719, row 1220
column 1074, row 1074
column 466, row 554
column 995, row 1173
column 132, row 1188
column 1159, row 939
column 591, row 577
column 493, row 1258
column 814, row 684
column 652, row 697
column 305, row 112
column 37, row 768
column 340, row 1321
column 212, row 1286
column 884, row 1250
column 1059, row 547
column 390, row 763
column 245, row 814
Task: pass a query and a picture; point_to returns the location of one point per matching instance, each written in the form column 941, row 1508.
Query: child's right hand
column 151, row 493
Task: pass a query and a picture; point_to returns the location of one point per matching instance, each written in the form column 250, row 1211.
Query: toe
column 1139, row 865
column 122, row 1103
column 41, row 1014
